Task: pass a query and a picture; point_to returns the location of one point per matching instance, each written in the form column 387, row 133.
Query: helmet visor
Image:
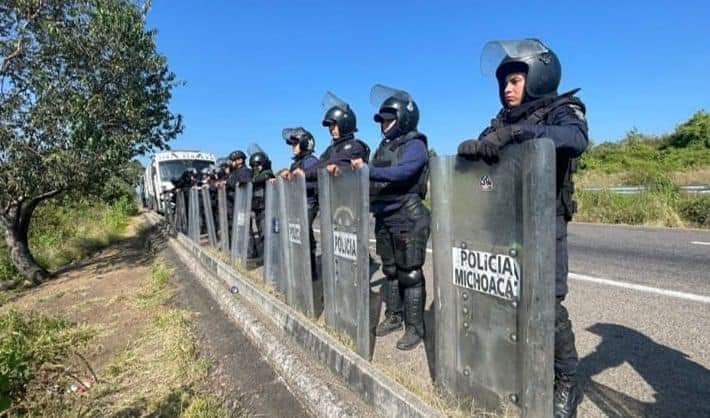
column 494, row 52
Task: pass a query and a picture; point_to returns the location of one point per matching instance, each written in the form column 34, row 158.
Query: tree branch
column 13, row 55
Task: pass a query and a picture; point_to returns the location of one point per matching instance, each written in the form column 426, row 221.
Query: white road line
column 700, row 243
column 625, row 285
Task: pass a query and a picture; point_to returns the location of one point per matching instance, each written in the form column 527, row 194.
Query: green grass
column 30, row 341
column 661, row 164
column 66, row 231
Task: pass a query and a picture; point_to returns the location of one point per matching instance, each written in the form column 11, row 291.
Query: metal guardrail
column 640, row 189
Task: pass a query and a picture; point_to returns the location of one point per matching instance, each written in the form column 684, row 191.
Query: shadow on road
column 682, row 387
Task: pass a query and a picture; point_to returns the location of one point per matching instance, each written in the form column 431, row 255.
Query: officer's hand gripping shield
column 494, row 250
column 345, row 222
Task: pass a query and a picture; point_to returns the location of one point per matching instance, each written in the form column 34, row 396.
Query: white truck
column 166, row 167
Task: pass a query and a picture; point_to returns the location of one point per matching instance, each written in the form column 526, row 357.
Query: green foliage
column 84, row 92
column 639, row 209
column 68, row 231
column 695, row 210
column 686, row 148
column 29, row 340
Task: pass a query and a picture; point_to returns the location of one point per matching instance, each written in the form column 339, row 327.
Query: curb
column 390, row 398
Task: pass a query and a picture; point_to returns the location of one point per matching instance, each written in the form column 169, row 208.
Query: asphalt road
column 640, row 303
column 677, row 260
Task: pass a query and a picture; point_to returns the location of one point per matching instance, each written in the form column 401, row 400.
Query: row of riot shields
column 493, row 236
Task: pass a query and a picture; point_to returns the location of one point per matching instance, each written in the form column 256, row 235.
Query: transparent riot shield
column 193, row 218
column 241, row 223
column 223, row 217
column 208, row 216
column 275, row 238
column 299, row 281
column 180, row 211
column 344, row 216
column 494, row 267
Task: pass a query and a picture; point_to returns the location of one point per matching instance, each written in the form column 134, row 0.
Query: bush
column 643, row 208
column 28, row 340
column 695, row 210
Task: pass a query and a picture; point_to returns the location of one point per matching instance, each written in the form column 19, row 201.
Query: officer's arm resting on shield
column 567, row 130
column 357, row 151
column 309, row 170
column 414, row 157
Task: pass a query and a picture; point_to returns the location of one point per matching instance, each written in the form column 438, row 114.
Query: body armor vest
column 389, row 154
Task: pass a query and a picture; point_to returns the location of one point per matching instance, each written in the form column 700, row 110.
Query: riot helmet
column 394, row 105
column 300, row 136
column 530, row 56
column 338, row 113
column 259, row 159
column 235, row 155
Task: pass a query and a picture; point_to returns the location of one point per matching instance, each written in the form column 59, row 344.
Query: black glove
column 479, row 149
column 489, row 145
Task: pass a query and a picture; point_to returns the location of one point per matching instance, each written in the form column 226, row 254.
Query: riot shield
column 208, row 216
column 180, row 211
column 275, row 239
column 222, row 217
column 494, row 277
column 344, row 216
column 193, row 217
column 241, row 223
column 299, row 281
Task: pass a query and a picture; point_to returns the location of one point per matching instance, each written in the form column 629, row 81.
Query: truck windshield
column 171, row 170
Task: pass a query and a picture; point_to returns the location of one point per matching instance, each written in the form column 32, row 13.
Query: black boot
column 393, row 310
column 414, row 298
column 567, row 392
column 566, row 397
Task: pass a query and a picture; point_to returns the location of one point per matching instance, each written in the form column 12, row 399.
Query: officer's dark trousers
column 566, row 358
column 402, row 236
column 257, row 242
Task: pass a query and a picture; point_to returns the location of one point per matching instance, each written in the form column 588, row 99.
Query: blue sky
column 252, row 68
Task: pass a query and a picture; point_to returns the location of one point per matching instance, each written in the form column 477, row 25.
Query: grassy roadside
column 107, row 343
column 63, row 232
column 659, row 163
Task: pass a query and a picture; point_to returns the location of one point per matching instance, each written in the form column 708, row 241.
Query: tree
column 83, row 90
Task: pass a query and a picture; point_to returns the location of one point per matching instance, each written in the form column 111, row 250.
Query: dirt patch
column 144, row 359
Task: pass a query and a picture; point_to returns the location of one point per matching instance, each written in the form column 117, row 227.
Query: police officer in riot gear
column 261, row 172
column 528, row 75
column 238, row 173
column 398, row 182
column 303, row 145
column 341, row 122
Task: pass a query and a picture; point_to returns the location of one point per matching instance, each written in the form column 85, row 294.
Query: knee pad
column 410, row 278
column 389, row 270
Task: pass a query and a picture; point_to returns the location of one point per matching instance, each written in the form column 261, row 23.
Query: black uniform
column 398, row 179
column 258, row 202
column 544, row 114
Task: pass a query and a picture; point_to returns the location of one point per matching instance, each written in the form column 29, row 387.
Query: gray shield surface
column 208, row 216
column 180, row 211
column 275, row 237
column 222, row 217
column 344, row 216
column 241, row 223
column 193, row 216
column 494, row 267
column 299, row 283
